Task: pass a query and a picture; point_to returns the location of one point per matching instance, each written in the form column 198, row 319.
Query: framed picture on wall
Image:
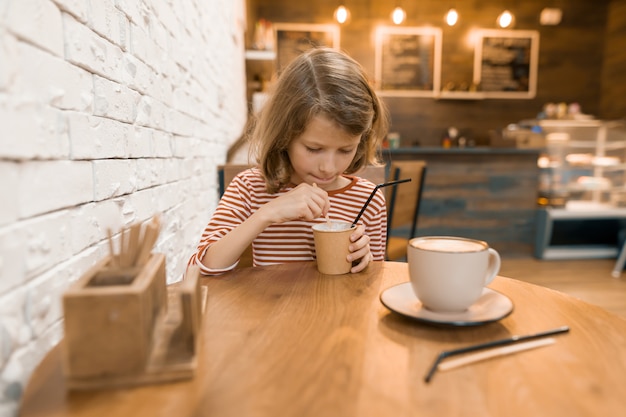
column 407, row 61
column 292, row 39
column 505, row 63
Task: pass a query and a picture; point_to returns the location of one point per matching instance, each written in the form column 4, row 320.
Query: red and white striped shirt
column 290, row 241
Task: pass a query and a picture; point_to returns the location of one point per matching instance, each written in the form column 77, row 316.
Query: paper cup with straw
column 332, row 242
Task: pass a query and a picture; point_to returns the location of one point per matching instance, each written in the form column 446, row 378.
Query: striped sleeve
column 232, row 209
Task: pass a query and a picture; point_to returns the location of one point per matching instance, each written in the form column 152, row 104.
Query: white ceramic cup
column 332, row 247
column 448, row 274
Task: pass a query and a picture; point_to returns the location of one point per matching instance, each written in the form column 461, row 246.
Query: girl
column 322, row 123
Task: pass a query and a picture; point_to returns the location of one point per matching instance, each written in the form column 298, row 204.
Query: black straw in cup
column 385, row 184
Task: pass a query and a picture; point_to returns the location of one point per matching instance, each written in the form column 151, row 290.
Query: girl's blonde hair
column 321, row 81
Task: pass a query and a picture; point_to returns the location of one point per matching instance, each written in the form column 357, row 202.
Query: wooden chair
column 226, row 173
column 375, row 174
column 403, row 204
column 619, row 264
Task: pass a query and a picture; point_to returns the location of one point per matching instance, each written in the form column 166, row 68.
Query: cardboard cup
column 332, row 243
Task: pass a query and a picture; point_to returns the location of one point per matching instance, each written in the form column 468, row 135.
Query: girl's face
column 322, row 153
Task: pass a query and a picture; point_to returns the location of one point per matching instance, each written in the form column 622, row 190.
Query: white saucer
column 491, row 306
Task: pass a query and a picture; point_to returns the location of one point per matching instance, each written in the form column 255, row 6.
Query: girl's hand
column 360, row 249
column 305, row 202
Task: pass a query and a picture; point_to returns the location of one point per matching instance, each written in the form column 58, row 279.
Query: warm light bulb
column 505, row 19
column 342, row 14
column 398, row 15
column 452, row 17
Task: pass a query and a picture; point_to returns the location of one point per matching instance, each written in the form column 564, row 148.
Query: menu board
column 505, row 63
column 408, row 60
column 292, row 39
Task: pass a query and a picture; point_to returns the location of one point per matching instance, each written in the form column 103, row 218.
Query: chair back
column 375, row 174
column 226, row 173
column 403, row 203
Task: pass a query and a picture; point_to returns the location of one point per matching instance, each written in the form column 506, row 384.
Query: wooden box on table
column 123, row 326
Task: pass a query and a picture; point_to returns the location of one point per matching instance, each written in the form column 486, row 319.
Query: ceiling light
column 342, row 14
column 550, row 16
column 452, row 17
column 506, row 19
column 398, row 15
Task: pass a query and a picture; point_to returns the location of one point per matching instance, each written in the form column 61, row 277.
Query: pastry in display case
column 584, row 166
column 582, row 189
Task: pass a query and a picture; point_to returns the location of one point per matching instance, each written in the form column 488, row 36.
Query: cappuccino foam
column 449, row 245
column 332, row 226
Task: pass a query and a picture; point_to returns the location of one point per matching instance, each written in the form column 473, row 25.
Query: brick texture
column 112, row 111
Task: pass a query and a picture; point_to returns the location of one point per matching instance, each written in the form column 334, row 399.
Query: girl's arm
column 225, row 252
column 304, row 202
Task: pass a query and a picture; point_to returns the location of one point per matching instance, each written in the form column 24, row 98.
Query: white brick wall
column 111, row 111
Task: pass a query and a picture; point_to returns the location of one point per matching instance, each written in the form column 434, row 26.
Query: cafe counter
column 482, row 193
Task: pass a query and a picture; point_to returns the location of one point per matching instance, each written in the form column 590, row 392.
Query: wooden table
column 287, row 341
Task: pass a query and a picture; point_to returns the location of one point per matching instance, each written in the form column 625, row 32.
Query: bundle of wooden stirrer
column 136, row 243
column 140, row 330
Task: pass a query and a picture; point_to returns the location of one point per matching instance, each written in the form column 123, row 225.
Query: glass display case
column 584, row 166
column 582, row 190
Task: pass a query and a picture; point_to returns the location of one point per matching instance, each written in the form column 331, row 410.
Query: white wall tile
column 87, row 49
column 77, row 8
column 8, row 58
column 47, row 79
column 37, row 21
column 52, row 185
column 115, row 101
column 94, row 137
column 32, row 130
column 8, row 191
column 113, row 178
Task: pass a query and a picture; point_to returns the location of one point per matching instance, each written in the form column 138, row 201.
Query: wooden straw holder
column 119, row 327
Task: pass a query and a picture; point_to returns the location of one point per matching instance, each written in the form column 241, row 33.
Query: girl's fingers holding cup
column 359, row 232
column 363, row 263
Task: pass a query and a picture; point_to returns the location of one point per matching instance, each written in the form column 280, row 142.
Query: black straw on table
column 508, row 341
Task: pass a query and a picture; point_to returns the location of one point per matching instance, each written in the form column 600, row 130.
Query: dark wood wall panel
column 483, row 194
column 614, row 74
column 570, row 60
